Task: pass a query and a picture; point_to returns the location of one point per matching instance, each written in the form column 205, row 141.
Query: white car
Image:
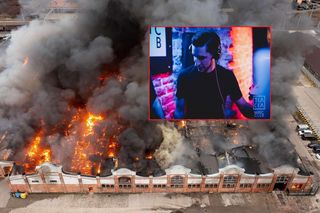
column 302, row 127
column 318, row 156
column 302, row 132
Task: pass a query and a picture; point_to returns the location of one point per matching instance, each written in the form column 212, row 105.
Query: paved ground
column 4, row 194
column 309, row 100
column 307, row 93
column 301, row 145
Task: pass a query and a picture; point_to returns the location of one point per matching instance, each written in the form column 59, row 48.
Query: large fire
column 91, row 147
column 37, row 153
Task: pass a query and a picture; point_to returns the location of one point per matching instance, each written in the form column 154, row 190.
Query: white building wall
column 89, row 180
column 300, row 180
column 18, row 179
column 106, row 181
column 194, row 180
column 159, row 181
column 247, row 180
column 53, row 179
column 212, row 180
column 142, row 181
column 264, row 180
column 35, row 179
column 68, row 179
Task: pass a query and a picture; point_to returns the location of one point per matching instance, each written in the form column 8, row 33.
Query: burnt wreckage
column 239, row 169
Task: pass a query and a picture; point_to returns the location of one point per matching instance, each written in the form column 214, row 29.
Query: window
column 229, row 181
column 159, row 186
column 282, row 179
column 177, row 182
column 107, row 185
column 122, row 186
column 124, row 183
column 297, row 186
column 176, row 186
column 263, row 185
column 193, row 185
column 124, row 180
column 245, row 185
column 211, row 186
column 142, row 186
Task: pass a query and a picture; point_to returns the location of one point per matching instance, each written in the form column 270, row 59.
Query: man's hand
column 179, row 112
column 245, row 108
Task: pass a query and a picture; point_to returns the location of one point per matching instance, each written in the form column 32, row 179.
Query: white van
column 302, row 127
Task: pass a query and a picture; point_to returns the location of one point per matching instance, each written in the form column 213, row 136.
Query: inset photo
column 210, row 73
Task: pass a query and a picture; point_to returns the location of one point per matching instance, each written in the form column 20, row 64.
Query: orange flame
column 149, row 157
column 85, row 147
column 37, row 153
column 182, row 124
column 88, row 143
column 91, row 122
column 26, row 61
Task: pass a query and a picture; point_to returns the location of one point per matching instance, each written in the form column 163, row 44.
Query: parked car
column 318, row 156
column 302, row 127
column 311, row 145
column 308, row 136
column 301, row 132
column 316, row 149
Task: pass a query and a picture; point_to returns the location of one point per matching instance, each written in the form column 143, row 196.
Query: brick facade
column 177, row 179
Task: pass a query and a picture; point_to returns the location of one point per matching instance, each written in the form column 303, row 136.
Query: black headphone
column 213, row 43
column 217, row 54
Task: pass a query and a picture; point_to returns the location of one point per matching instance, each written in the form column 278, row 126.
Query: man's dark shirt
column 201, row 94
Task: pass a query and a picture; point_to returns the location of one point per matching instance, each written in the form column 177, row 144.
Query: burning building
column 74, row 106
column 234, row 171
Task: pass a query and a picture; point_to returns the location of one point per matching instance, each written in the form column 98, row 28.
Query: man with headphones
column 207, row 90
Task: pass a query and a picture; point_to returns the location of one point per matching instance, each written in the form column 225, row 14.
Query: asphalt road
column 160, row 202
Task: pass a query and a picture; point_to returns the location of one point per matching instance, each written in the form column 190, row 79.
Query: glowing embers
column 26, row 61
column 37, row 153
column 181, row 124
column 85, row 142
column 89, row 148
column 91, row 121
column 113, row 147
column 149, row 154
column 93, row 142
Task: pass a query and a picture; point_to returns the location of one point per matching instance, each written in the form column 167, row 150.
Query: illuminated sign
column 158, row 42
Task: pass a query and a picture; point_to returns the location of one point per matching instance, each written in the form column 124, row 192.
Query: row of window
column 229, row 182
column 142, row 186
column 159, row 186
column 246, row 185
column 107, row 186
column 211, row 185
column 263, row 185
column 193, row 185
column 37, row 181
column 228, row 185
column 176, row 186
column 124, row 186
